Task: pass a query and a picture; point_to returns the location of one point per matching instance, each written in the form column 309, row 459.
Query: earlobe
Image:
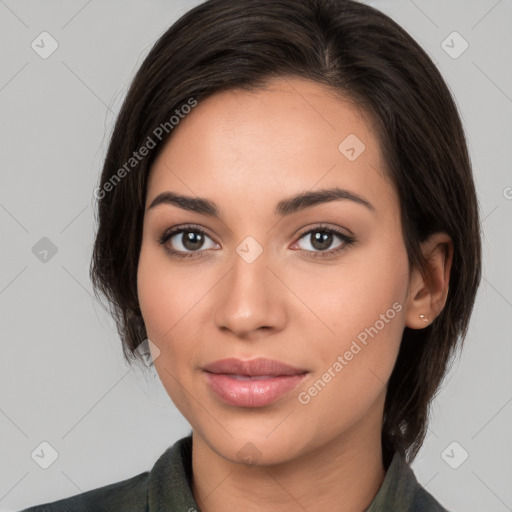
column 424, row 318
column 428, row 293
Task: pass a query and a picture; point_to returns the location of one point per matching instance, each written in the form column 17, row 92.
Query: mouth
column 249, row 377
column 254, row 383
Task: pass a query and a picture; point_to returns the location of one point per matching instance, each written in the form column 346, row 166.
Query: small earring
column 424, row 318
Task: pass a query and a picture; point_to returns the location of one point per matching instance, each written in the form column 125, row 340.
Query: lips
column 254, row 383
column 252, row 368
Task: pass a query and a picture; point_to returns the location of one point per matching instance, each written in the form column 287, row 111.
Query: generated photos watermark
column 356, row 347
column 158, row 133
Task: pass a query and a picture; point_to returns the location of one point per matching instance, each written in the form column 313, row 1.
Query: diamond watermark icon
column 44, row 250
column 454, row 455
column 454, row 45
column 249, row 454
column 351, row 147
column 44, row 455
column 44, row 45
column 249, row 250
column 148, row 352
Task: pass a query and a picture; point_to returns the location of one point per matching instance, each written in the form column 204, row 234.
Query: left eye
column 321, row 239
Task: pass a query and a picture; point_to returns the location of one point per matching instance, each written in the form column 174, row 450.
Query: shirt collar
column 170, row 483
column 170, row 480
column 397, row 491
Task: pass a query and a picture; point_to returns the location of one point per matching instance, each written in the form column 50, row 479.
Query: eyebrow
column 285, row 207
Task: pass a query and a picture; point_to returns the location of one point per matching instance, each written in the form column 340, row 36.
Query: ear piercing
column 424, row 318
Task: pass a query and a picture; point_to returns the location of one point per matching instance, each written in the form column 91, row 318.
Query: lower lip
column 251, row 393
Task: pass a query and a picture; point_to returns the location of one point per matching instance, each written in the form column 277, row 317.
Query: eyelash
column 167, row 235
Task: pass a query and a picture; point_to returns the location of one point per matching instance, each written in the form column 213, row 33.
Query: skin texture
column 246, row 151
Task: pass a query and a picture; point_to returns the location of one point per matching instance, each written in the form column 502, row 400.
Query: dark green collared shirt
column 167, row 488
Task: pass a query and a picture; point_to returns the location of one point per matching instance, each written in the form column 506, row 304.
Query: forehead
column 290, row 136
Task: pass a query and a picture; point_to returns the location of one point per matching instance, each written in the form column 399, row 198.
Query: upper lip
column 253, row 367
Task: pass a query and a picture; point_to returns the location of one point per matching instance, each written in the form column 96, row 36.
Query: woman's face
column 318, row 285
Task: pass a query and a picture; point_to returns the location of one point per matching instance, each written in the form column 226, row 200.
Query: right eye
column 185, row 241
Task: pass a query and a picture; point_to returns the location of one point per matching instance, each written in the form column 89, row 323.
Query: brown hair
column 369, row 59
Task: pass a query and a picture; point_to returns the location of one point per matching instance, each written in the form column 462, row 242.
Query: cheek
column 352, row 371
column 363, row 304
column 167, row 293
column 167, row 307
column 155, row 297
column 172, row 299
column 352, row 297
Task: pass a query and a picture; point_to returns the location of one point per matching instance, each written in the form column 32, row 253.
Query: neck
column 343, row 475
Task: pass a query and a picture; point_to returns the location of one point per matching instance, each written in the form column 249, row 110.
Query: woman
column 288, row 223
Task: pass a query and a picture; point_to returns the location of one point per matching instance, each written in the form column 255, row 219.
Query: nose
column 250, row 300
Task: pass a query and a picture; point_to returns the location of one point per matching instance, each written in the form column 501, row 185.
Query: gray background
column 62, row 377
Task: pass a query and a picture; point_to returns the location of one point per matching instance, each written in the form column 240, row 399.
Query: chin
column 252, row 447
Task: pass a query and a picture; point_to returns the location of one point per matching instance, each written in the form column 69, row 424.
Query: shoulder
column 165, row 486
column 424, row 502
column 401, row 491
column 128, row 495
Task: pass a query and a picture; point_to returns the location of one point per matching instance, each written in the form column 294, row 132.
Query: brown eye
column 319, row 241
column 191, row 240
column 186, row 241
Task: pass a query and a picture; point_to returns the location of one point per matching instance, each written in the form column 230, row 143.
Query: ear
column 427, row 294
